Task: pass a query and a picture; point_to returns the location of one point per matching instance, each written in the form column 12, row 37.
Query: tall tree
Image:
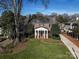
column 61, row 19
column 15, row 6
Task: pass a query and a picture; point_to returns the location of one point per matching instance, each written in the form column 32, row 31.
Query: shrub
column 29, row 30
column 55, row 31
column 57, row 37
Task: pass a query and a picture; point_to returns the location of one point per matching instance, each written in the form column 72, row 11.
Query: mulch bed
column 74, row 40
column 20, row 47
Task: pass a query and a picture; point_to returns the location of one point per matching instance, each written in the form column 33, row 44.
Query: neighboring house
column 69, row 26
column 64, row 27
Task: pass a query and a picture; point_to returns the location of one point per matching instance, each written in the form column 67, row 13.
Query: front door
column 41, row 34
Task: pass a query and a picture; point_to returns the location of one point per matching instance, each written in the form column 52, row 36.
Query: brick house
column 42, row 27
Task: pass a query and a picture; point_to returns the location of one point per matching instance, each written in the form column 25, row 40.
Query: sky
column 54, row 6
column 57, row 6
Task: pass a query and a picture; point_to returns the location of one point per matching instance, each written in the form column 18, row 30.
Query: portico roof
column 41, row 28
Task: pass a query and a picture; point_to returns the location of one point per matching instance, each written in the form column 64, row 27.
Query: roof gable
column 41, row 28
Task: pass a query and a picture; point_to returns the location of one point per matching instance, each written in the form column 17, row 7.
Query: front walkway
column 72, row 44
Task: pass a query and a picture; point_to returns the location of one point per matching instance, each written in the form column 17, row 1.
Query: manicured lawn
column 36, row 49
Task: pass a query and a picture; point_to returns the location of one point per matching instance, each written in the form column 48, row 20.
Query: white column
column 35, row 34
column 38, row 34
column 47, row 35
column 44, row 34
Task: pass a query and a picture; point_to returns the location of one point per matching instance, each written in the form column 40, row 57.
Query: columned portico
column 41, row 33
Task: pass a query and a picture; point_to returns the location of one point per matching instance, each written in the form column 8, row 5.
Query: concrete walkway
column 71, row 46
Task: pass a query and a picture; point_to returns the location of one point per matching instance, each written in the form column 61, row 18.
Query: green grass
column 41, row 50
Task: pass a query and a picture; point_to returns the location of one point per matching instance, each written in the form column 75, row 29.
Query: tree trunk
column 19, row 7
column 16, row 23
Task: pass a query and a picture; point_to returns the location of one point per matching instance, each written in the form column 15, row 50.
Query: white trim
column 41, row 28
